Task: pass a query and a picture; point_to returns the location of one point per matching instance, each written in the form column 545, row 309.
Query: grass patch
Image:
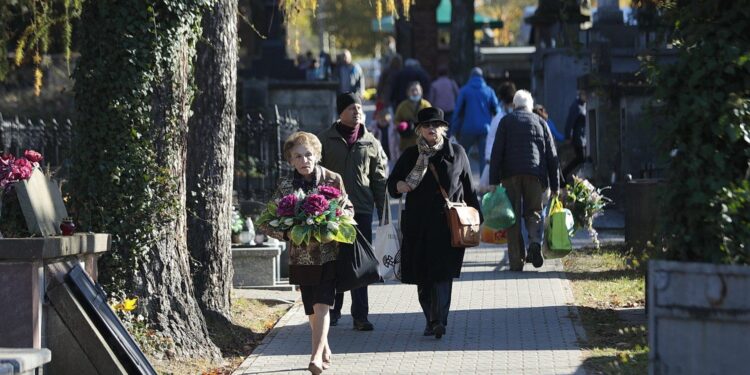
column 251, row 321
column 604, row 282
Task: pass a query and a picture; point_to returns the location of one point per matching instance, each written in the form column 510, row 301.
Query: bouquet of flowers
column 14, row 169
column 316, row 216
column 585, row 202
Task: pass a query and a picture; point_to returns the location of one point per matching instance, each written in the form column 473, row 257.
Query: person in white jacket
column 505, row 93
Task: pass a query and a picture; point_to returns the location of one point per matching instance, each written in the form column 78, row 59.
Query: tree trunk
column 133, row 95
column 462, row 39
column 210, row 162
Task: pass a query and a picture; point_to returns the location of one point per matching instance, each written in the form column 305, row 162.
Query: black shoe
column 535, row 252
column 335, row 318
column 428, row 331
column 439, row 329
column 363, row 325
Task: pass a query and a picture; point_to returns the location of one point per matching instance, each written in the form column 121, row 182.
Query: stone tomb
column 42, row 204
column 40, row 309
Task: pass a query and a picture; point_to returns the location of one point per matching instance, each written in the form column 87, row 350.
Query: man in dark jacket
column 575, row 130
column 525, row 161
column 354, row 153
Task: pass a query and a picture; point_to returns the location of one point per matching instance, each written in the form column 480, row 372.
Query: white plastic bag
column 484, row 178
column 387, row 245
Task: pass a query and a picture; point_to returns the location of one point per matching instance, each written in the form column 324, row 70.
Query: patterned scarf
column 420, row 168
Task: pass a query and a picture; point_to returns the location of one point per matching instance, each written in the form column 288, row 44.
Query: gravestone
column 42, row 204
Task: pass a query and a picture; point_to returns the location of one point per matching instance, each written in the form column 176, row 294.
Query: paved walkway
column 500, row 323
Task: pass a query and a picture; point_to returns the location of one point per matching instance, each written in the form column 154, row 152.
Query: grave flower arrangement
column 12, row 170
column 315, row 216
column 585, row 202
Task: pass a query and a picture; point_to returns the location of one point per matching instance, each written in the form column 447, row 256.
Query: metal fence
column 258, row 148
column 52, row 138
column 258, row 154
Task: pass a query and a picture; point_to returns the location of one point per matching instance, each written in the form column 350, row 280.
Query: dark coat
column 524, row 146
column 575, row 126
column 361, row 165
column 426, row 252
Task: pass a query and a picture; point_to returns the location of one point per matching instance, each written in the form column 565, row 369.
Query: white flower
column 674, row 152
column 274, row 223
column 309, row 221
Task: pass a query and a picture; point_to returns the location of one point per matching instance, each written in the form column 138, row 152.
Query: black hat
column 346, row 99
column 430, row 114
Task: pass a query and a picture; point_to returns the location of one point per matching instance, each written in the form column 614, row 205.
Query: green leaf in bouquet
column 308, row 234
column 327, row 235
column 347, row 220
column 316, row 234
column 297, row 234
column 346, row 233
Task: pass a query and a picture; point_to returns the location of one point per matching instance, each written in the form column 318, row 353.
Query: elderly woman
column 427, row 257
column 312, row 266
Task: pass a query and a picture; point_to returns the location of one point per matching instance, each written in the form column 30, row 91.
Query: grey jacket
column 362, row 166
column 523, row 146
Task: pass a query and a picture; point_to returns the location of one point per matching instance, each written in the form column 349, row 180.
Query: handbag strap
column 398, row 227
column 437, row 180
column 386, row 218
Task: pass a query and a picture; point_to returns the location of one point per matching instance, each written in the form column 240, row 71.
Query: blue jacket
column 555, row 133
column 475, row 107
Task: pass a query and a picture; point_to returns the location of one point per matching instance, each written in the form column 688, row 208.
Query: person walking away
column 506, row 92
column 350, row 150
column 443, row 92
column 542, row 112
column 427, row 258
column 557, row 137
column 385, row 82
column 312, row 266
column 524, row 160
column 406, row 115
column 575, row 131
column 475, row 107
column 411, row 72
column 325, row 64
column 382, row 128
column 350, row 75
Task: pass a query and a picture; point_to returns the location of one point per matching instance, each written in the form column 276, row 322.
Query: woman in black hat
column 427, row 257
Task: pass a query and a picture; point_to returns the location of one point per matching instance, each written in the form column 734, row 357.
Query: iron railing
column 258, row 148
column 259, row 162
column 52, row 138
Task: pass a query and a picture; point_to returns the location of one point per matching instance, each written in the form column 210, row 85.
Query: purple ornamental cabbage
column 315, row 204
column 329, row 192
column 286, row 205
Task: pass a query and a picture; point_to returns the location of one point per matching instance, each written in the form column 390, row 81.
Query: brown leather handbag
column 463, row 220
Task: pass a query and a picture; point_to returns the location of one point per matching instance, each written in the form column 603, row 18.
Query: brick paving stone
column 500, row 322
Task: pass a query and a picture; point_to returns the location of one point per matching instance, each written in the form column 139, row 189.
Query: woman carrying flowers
column 311, row 210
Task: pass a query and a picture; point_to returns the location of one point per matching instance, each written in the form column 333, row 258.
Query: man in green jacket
column 354, row 153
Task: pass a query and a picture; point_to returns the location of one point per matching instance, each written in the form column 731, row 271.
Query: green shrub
column 706, row 99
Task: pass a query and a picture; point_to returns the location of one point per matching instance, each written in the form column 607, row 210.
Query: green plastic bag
column 559, row 231
column 497, row 210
